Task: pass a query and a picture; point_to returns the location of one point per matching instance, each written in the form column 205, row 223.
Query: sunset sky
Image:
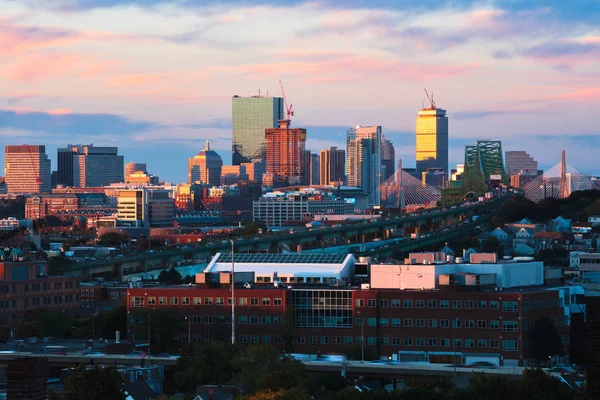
column 156, row 77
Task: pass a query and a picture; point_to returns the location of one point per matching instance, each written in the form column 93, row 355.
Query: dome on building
column 205, row 167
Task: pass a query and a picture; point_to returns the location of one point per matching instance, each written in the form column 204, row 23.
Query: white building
column 594, row 220
column 585, row 262
column 10, row 224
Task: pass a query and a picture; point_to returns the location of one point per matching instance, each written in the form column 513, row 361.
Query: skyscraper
column 284, row 153
column 315, row 169
column 250, row 117
column 388, row 155
column 132, row 167
column 305, row 166
column 89, row 166
column 363, row 166
column 432, row 139
column 332, row 166
column 519, row 162
column 205, row 167
column 27, row 169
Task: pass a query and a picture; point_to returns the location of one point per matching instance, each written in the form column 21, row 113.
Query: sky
column 155, row 77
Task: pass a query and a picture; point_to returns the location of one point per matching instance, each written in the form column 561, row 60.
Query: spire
column 207, row 146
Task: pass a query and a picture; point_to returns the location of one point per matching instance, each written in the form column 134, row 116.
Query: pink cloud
column 38, row 67
column 580, row 95
column 60, row 111
column 134, row 79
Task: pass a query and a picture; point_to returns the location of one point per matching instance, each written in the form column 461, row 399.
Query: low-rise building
column 11, row 224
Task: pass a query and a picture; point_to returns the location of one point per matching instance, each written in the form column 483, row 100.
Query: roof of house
column 549, row 235
column 139, row 390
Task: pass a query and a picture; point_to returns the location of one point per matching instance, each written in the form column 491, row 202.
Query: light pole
column 454, row 344
column 189, row 321
column 232, row 294
column 362, row 339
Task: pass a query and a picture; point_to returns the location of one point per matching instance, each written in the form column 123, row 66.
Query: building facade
column 332, row 167
column 89, row 166
column 132, row 167
column 27, row 169
column 388, row 159
column 284, row 149
column 69, row 205
column 520, row 163
column 250, row 116
column 363, row 167
column 432, row 139
column 145, row 207
column 205, row 167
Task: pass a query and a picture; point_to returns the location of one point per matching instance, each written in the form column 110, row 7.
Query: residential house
column 594, row 220
column 525, row 223
column 500, row 234
column 523, row 249
column 547, row 240
column 560, row 224
column 467, row 254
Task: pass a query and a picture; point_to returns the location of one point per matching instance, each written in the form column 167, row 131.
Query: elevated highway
column 385, row 228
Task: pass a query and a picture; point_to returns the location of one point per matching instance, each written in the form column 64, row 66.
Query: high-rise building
column 27, row 169
column 205, row 167
column 145, row 208
column 305, row 165
column 388, row 155
column 519, row 162
column 89, row 166
column 363, row 167
column 432, row 139
column 255, row 170
column 284, row 153
column 333, row 166
column 133, row 167
column 250, row 117
column 315, row 169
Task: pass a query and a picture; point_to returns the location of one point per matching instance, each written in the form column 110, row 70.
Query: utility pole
column 362, row 339
column 149, row 320
column 454, row 344
column 232, row 293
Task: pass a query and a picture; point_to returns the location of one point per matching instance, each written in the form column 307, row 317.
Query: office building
column 388, row 156
column 305, row 167
column 69, row 205
column 142, row 178
column 27, row 169
column 205, row 167
column 432, row 139
column 520, row 163
column 89, row 166
column 250, row 116
column 232, row 174
column 284, row 153
column 332, row 166
column 255, row 170
column 133, row 167
column 145, row 208
column 315, row 169
column 363, row 167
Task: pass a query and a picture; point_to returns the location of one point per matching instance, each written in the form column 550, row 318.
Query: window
column 420, row 323
column 208, row 319
column 253, row 338
column 420, row 342
column 493, row 305
column 456, row 323
column 174, row 301
column 162, row 301
column 395, row 303
column 469, row 323
column 383, row 303
column 136, row 301
column 360, row 321
column 469, row 304
column 445, row 342
column 254, row 301
column 420, row 304
column 457, row 342
column 301, row 339
column 432, row 342
column 407, row 303
column 444, row 323
column 197, row 301
column 347, row 339
column 359, row 303
column 494, row 324
column 371, row 341
column 481, row 305
column 229, row 301
column 444, row 304
column 509, row 306
column 384, row 341
column 469, row 343
column 494, row 344
column 151, row 301
column 185, row 301
column 510, row 326
column 219, row 301
column 396, row 341
column 243, row 301
column 481, row 343
column 312, row 340
column 481, row 324
column 383, row 321
column 266, row 338
column 371, row 303
column 324, row 340
column 432, row 323
column 277, row 302
column 266, row 301
column 254, row 320
column 510, row 345
column 431, row 303
column 372, row 322
column 277, row 320
column 408, row 342
column 276, row 339
column 456, row 304
column 243, row 320
column 396, row 322
column 266, row 320
column 408, row 322
column 208, row 301
column 359, row 340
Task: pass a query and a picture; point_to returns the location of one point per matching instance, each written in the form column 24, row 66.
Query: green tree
column 538, row 385
column 45, row 322
column 492, row 387
column 58, row 265
column 169, row 277
column 493, row 245
column 113, row 239
column 165, row 325
column 94, row 383
column 545, row 340
column 204, row 363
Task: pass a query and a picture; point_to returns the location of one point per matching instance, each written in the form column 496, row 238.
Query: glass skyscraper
column 250, row 117
column 432, row 139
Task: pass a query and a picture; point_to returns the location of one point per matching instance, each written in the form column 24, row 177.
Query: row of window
column 507, row 326
column 87, row 292
column 507, row 345
column 196, row 337
column 242, row 320
column 39, row 287
column 541, row 303
column 138, row 301
column 507, row 306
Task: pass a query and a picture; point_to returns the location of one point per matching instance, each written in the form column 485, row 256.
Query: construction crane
column 289, row 111
column 431, row 102
column 38, row 180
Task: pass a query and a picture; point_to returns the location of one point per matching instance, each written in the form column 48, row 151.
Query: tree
column 492, row 387
column 538, row 385
column 545, row 340
column 94, row 383
column 203, row 364
column 493, row 245
column 113, row 239
column 169, row 277
column 58, row 265
column 164, row 327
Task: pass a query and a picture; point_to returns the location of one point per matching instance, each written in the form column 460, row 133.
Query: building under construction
column 27, row 169
column 285, row 146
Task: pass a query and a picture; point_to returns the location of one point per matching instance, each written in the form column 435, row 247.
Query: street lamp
column 454, row 344
column 232, row 294
column 188, row 319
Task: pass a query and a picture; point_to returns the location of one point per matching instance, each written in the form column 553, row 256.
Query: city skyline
column 162, row 95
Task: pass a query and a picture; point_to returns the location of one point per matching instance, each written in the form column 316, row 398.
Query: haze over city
column 156, row 78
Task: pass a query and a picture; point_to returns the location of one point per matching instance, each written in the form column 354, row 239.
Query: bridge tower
column 399, row 183
column 563, row 191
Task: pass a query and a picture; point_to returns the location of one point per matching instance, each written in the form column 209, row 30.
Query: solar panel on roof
column 291, row 258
